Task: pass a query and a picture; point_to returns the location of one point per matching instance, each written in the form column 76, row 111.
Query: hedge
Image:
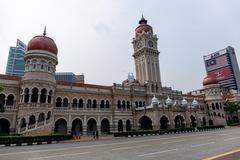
column 175, row 130
column 19, row 139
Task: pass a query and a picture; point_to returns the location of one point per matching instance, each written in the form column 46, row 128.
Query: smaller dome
column 209, row 80
column 143, row 26
column 184, row 102
column 194, row 103
column 169, row 101
column 154, row 100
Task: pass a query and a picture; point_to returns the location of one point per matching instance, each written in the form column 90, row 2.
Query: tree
column 1, row 88
column 232, row 107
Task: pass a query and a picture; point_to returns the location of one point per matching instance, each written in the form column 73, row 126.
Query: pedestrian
column 96, row 134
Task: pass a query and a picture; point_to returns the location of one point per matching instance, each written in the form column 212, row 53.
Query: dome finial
column 44, row 32
column 143, row 20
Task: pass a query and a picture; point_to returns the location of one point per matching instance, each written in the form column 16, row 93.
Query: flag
column 217, row 62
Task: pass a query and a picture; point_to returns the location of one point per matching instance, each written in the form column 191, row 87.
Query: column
column 39, row 94
column 84, row 125
column 99, row 124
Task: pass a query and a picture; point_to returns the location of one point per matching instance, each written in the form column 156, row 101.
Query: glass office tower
column 15, row 63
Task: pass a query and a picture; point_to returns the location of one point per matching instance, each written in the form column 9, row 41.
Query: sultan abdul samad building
column 38, row 104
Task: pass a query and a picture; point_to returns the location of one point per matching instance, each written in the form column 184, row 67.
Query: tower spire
column 44, row 32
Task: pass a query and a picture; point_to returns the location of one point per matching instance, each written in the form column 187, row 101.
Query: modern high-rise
column 15, row 63
column 223, row 66
column 69, row 77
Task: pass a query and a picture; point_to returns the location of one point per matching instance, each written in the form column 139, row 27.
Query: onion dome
column 184, row 102
column 42, row 42
column 169, row 101
column 194, row 103
column 154, row 100
column 143, row 26
column 209, row 80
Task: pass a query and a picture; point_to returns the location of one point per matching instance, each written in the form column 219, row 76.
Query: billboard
column 221, row 74
column 216, row 62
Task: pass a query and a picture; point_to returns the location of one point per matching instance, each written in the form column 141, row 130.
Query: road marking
column 221, row 155
column 229, row 139
column 61, row 155
column 174, row 141
column 205, row 137
column 226, row 134
column 203, row 144
column 97, row 145
column 153, row 153
column 131, row 147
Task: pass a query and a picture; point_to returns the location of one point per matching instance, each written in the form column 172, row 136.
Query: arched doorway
column 105, row 126
column 4, row 126
column 77, row 127
column 164, row 122
column 120, row 126
column 91, row 125
column 128, row 125
column 32, row 120
column 145, row 123
column 60, row 126
column 179, row 121
column 193, row 121
column 210, row 122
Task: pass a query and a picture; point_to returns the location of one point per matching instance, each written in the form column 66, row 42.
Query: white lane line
column 203, row 144
column 153, row 153
column 225, row 134
column 61, row 155
column 229, row 139
column 90, row 146
column 205, row 137
column 130, row 147
column 174, row 141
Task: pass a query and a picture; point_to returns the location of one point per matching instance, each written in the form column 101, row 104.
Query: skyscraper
column 223, row 66
column 15, row 63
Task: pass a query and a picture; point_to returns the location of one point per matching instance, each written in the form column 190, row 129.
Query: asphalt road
column 186, row 146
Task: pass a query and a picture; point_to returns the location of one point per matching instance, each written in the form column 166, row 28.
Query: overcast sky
column 94, row 36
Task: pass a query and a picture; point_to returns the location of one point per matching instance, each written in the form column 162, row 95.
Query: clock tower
column 146, row 56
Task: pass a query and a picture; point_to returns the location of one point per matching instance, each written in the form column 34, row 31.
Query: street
column 185, row 146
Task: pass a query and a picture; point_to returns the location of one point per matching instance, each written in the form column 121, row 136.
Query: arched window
column 65, row 102
column 119, row 104
column 2, row 100
column 32, row 120
column 80, row 104
column 219, row 115
column 43, row 64
column 102, row 104
column 43, row 96
column 34, row 62
column 23, row 123
column 136, row 104
column 94, row 105
column 123, row 104
column 34, row 97
column 50, row 96
column 48, row 115
column 107, row 104
column 217, row 107
column 74, row 102
column 214, row 113
column 213, row 107
column 89, row 103
column 140, row 104
column 26, row 97
column 207, row 107
column 59, row 102
column 10, row 100
column 41, row 117
column 128, row 105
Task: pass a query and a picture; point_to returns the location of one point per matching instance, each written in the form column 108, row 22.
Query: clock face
column 150, row 43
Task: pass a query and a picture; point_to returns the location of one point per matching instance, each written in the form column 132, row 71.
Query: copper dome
column 209, row 80
column 143, row 26
column 42, row 42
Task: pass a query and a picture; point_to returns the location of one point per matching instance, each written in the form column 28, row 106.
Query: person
column 93, row 134
column 96, row 134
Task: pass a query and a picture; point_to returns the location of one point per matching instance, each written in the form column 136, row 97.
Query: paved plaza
column 185, row 146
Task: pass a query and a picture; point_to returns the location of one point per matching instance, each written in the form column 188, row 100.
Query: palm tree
column 232, row 107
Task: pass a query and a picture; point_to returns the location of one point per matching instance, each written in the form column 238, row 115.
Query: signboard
column 215, row 63
column 221, row 74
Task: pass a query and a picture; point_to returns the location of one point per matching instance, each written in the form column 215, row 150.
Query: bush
column 18, row 139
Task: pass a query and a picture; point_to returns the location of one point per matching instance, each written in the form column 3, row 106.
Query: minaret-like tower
column 146, row 55
column 38, row 86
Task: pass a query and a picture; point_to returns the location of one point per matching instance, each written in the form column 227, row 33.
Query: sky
column 94, row 36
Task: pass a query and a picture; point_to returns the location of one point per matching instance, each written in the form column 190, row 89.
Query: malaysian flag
column 216, row 63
